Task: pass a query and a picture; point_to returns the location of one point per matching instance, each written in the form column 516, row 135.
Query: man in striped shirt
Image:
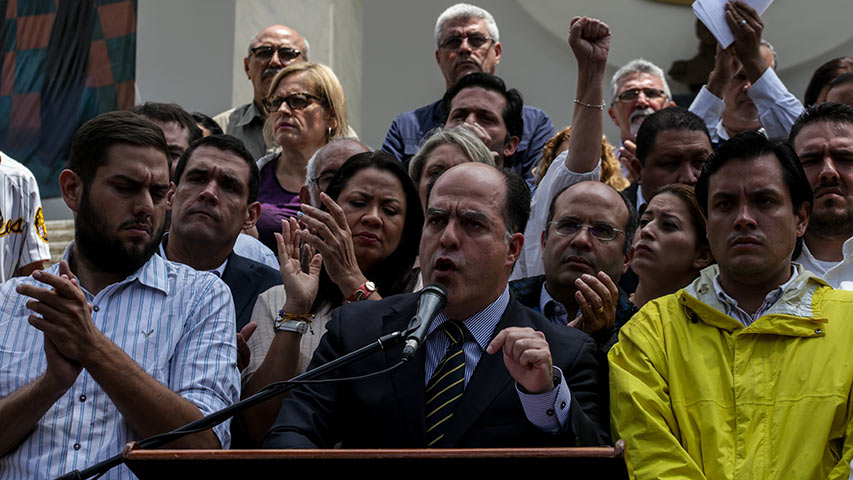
column 114, row 343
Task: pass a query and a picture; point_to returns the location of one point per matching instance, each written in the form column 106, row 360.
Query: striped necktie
column 446, row 385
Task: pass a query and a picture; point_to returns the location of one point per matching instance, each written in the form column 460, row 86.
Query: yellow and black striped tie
column 446, row 385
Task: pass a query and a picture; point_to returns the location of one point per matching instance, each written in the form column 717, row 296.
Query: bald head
column 270, row 50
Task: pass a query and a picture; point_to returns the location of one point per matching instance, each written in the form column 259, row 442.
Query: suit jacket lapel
column 489, row 379
column 408, row 380
column 238, row 277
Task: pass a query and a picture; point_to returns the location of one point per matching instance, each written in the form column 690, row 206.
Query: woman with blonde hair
column 306, row 109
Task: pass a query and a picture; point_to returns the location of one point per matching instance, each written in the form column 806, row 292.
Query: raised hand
column 329, row 233
column 299, row 286
column 597, row 297
column 724, row 67
column 527, row 358
column 746, row 27
column 589, row 39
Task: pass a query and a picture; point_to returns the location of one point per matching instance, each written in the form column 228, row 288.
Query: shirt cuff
column 549, row 411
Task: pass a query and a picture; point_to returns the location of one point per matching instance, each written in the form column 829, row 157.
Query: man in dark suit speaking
column 458, row 390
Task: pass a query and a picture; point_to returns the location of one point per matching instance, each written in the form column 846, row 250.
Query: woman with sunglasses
column 306, row 109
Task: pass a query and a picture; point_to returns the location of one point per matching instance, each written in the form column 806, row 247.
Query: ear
column 803, row 218
column 510, row 147
column 246, row 67
column 170, row 195
column 542, row 240
column 628, row 257
column 516, row 243
column 437, row 58
column 703, row 258
column 637, row 168
column 498, row 51
column 612, row 114
column 252, row 214
column 304, row 195
column 671, row 104
column 71, row 187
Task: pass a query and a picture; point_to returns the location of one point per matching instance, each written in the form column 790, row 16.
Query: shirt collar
column 482, row 324
column 249, row 114
column 734, row 310
column 218, row 271
column 154, row 273
column 556, row 313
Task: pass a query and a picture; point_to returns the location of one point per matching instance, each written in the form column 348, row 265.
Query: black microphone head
column 438, row 290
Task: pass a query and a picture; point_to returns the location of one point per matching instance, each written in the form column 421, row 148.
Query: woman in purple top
column 307, row 109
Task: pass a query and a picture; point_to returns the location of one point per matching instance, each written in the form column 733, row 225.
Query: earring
column 329, row 132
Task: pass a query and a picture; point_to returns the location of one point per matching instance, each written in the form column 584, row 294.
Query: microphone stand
column 220, row 416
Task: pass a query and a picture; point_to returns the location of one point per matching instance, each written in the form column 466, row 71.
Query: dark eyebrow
column 437, row 211
column 473, row 215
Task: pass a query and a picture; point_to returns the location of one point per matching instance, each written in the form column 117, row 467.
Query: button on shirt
column 548, row 411
column 176, row 323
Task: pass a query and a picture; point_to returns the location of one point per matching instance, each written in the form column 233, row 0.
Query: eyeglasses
column 296, row 101
column 633, row 93
column 286, row 54
column 323, row 181
column 476, row 42
column 601, row 231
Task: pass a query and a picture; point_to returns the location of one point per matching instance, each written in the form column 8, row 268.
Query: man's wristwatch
column 365, row 290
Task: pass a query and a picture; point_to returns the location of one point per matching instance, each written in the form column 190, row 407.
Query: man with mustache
column 467, row 41
column 639, row 89
column 213, row 197
column 272, row 49
column 728, row 376
column 743, row 92
column 491, row 373
column 112, row 344
column 823, row 140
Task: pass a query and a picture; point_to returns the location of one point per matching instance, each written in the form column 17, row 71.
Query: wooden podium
column 599, row 463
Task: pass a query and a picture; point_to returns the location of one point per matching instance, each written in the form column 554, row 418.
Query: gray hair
column 471, row 146
column 765, row 43
column 638, row 65
column 311, row 168
column 464, row 10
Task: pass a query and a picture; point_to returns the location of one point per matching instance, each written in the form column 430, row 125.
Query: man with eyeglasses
column 323, row 165
column 467, row 41
column 272, row 49
column 585, row 251
column 743, row 92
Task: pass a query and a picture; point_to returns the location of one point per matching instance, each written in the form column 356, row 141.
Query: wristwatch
column 365, row 290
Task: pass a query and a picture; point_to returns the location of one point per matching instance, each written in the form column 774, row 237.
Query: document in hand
column 713, row 14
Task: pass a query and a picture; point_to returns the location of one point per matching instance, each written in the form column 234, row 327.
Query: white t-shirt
column 23, row 235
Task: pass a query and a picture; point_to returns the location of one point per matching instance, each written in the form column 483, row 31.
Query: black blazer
column 388, row 411
column 247, row 279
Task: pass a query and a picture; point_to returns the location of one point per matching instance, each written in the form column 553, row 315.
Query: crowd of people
column 682, row 290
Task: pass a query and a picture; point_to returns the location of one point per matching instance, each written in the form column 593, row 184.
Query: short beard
column 829, row 225
column 109, row 254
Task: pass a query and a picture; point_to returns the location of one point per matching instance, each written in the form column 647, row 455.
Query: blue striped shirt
column 176, row 323
column 547, row 411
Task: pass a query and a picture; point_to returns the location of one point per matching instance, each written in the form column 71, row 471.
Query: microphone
column 431, row 303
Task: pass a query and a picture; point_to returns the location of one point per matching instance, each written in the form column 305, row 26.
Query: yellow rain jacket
column 695, row 394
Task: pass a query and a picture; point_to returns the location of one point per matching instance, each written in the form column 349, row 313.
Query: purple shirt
column 276, row 203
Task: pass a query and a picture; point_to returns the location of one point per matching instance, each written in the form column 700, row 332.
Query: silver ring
column 742, row 22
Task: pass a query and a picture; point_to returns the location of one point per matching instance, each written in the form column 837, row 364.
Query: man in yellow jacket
column 747, row 372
